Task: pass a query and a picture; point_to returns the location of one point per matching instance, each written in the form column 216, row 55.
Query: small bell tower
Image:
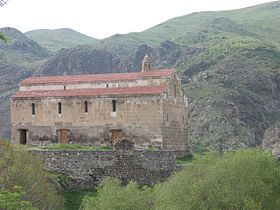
column 146, row 64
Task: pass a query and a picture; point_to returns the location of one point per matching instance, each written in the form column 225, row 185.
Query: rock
column 271, row 139
column 276, row 151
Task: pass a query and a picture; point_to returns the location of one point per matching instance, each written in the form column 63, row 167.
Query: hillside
column 229, row 62
column 260, row 19
column 19, row 49
column 19, row 57
column 57, row 39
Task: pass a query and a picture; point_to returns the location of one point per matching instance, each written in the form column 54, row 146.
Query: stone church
column 148, row 107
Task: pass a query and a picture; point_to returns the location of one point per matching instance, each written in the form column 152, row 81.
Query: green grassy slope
column 261, row 19
column 56, row 39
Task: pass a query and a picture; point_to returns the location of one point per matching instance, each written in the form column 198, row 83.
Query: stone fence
column 85, row 169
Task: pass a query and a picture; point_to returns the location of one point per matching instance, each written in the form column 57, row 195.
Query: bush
column 20, row 168
column 112, row 195
column 13, row 200
column 247, row 179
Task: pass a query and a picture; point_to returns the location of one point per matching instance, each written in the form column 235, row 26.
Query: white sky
column 103, row 18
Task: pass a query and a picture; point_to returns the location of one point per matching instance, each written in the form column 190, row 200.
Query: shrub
column 13, row 200
column 112, row 195
column 247, row 179
column 20, row 168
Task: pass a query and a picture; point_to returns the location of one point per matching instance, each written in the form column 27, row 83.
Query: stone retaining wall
column 85, row 169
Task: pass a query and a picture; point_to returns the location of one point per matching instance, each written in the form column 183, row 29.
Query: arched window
column 33, row 108
column 86, row 106
column 114, row 105
column 59, row 107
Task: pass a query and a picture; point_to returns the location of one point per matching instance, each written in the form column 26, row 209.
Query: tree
column 247, row 179
column 112, row 195
column 13, row 200
column 20, row 168
column 2, row 36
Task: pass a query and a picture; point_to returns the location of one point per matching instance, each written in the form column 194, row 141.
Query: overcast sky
column 103, row 18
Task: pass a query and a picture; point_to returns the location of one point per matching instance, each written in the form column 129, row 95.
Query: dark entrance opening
column 22, row 136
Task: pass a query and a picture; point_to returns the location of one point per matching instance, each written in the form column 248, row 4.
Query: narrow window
column 175, row 91
column 59, row 107
column 33, row 108
column 86, row 106
column 114, row 105
column 107, row 85
column 64, row 87
column 167, row 118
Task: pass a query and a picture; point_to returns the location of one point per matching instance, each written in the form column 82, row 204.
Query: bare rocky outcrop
column 271, row 137
column 271, row 140
column 276, row 151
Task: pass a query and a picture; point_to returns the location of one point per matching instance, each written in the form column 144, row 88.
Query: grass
column 184, row 160
column 74, row 199
column 74, row 147
column 57, row 39
column 200, row 152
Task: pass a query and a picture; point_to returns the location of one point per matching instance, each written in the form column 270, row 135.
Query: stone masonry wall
column 85, row 169
column 138, row 118
column 174, row 125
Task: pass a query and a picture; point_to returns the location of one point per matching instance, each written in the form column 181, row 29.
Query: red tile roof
column 97, row 77
column 91, row 92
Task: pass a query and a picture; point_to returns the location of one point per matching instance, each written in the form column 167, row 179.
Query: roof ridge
column 97, row 77
column 92, row 92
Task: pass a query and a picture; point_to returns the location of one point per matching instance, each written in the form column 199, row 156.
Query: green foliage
column 13, row 200
column 74, row 147
column 57, row 39
column 73, row 199
column 184, row 160
column 3, row 38
column 19, row 167
column 246, row 179
column 112, row 195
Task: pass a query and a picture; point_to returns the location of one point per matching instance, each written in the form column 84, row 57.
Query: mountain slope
column 57, row 39
column 19, row 57
column 19, row 49
column 234, row 94
column 261, row 19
